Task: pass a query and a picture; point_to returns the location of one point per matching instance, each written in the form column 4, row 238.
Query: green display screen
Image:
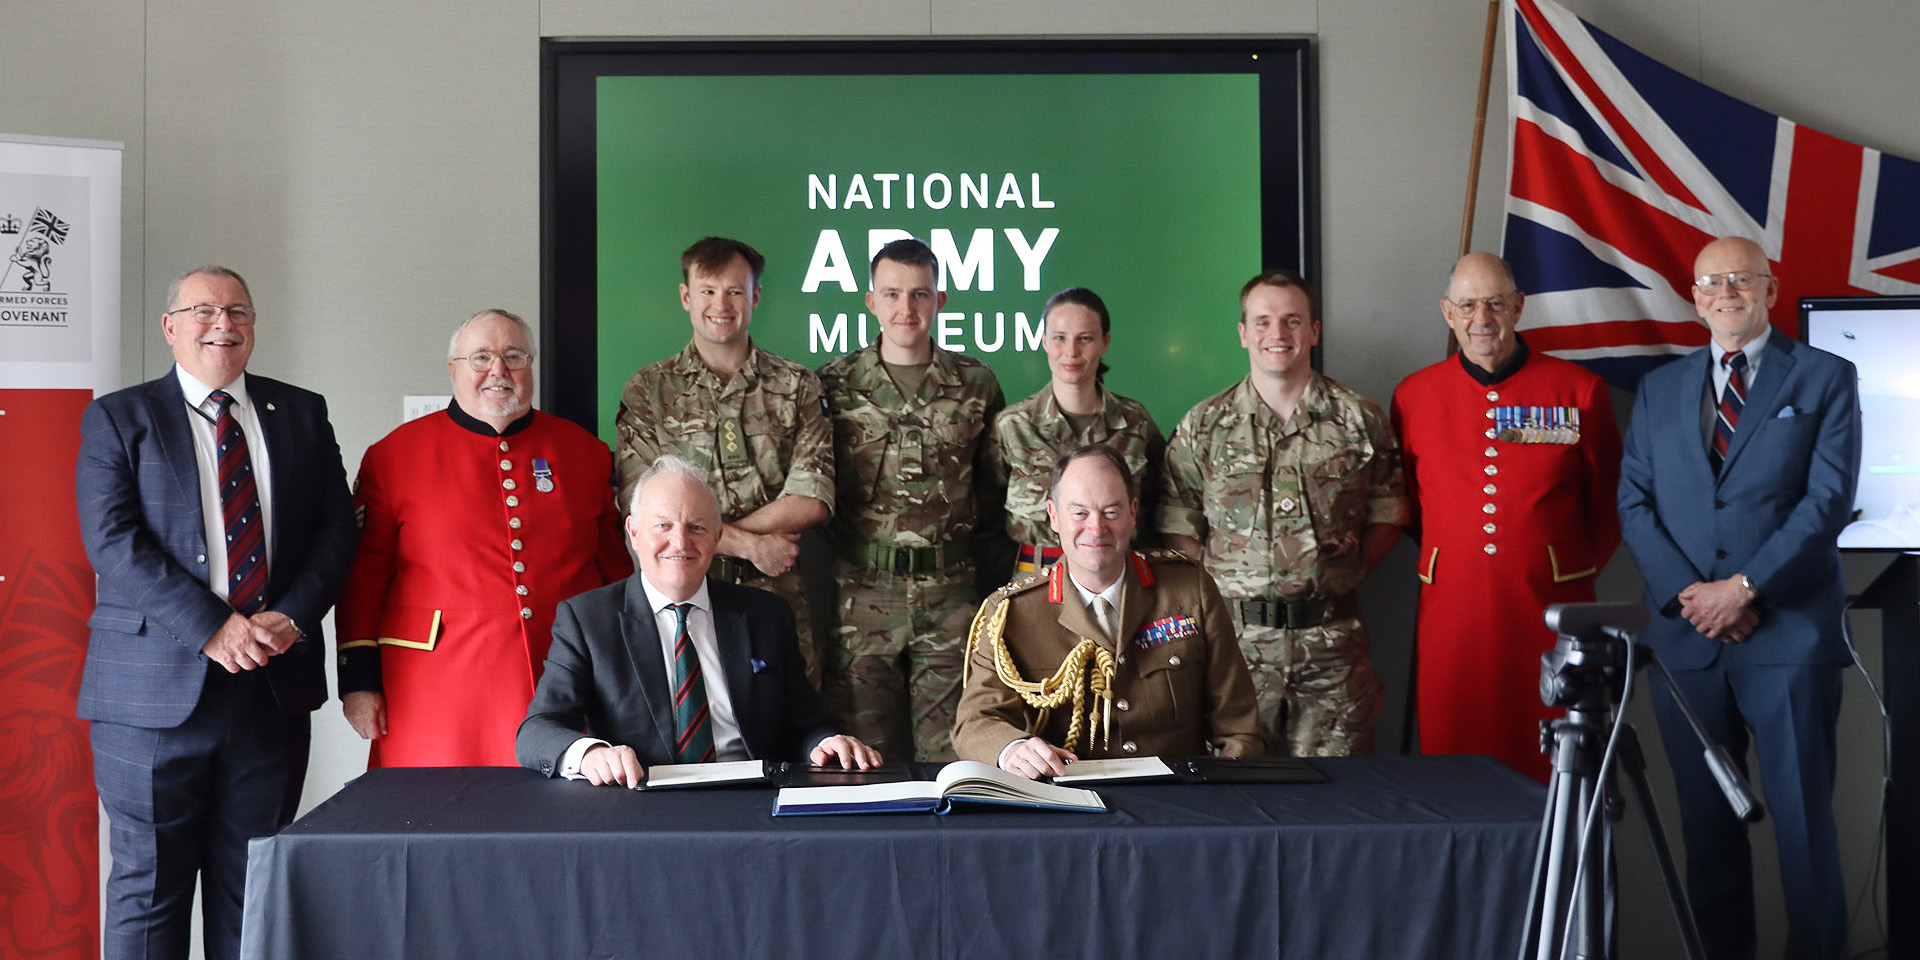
column 1151, row 187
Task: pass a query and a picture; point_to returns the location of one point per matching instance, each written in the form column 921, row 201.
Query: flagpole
column 1479, row 127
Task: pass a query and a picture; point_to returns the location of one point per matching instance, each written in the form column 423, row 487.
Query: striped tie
column 695, row 742
column 1732, row 401
column 240, row 508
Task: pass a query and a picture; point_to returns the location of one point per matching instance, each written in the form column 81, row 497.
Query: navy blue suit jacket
column 1773, row 512
column 607, row 675
column 140, row 515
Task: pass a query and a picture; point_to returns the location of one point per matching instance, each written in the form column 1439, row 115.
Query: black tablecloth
column 1394, row 857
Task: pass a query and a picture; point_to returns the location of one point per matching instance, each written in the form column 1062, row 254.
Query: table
column 1422, row 857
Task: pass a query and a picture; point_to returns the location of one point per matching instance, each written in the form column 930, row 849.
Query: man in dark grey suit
column 215, row 511
column 1738, row 476
column 668, row 666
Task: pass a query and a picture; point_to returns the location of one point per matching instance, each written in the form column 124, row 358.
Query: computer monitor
column 1881, row 335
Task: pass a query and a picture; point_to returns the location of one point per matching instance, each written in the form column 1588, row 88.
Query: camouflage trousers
column 892, row 666
column 790, row 587
column 1315, row 686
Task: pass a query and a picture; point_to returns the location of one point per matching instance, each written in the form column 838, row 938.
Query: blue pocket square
column 758, row 665
column 1785, row 412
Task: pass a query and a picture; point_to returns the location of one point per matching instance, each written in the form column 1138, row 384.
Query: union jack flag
column 1620, row 169
column 48, row 225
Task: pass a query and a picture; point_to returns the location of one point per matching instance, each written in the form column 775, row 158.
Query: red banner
column 49, row 816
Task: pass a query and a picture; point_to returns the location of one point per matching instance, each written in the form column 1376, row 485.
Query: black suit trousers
column 185, row 800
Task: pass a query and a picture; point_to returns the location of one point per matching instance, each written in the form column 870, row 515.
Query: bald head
column 1482, row 307
column 1736, row 247
column 1735, row 316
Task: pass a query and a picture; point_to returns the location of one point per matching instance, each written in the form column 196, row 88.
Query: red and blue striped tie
column 240, row 508
column 690, row 717
column 1732, row 400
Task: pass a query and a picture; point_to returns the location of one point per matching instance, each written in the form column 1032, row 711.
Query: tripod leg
column 1635, row 764
column 1569, row 785
column 1541, row 849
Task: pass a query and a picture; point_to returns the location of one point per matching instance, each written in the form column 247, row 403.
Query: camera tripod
column 1569, row 911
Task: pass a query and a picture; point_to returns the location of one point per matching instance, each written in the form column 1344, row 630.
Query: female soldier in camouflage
column 1074, row 409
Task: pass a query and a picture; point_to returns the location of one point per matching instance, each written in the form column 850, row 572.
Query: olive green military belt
column 892, row 558
column 1295, row 614
column 734, row 570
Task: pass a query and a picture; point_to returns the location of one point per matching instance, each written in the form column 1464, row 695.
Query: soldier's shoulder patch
column 1019, row 585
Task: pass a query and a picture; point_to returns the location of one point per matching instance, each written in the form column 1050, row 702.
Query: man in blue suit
column 215, row 511
column 1738, row 475
column 669, row 666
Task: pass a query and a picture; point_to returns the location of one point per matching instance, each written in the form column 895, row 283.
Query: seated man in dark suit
column 668, row 666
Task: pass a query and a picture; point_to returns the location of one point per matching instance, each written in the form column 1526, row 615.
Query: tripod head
column 1586, row 673
column 1586, row 667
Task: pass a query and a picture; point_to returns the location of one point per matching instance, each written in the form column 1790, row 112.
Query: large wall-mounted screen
column 1160, row 174
column 1881, row 335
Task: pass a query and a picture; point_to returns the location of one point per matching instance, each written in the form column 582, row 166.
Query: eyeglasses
column 484, row 360
column 240, row 314
column 1495, row 305
column 1738, row 279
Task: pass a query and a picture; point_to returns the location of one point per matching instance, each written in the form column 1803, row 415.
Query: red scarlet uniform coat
column 463, row 558
column 1511, row 517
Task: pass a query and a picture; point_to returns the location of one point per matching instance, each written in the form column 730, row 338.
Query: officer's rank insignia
column 1164, row 629
column 542, row 475
column 733, row 443
column 1537, row 424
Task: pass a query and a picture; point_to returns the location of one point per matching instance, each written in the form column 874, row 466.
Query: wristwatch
column 1747, row 583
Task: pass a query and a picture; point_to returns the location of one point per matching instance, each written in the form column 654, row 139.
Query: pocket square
column 1785, row 412
column 758, row 665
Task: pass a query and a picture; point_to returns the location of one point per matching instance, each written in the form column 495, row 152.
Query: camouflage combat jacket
column 761, row 435
column 1030, row 435
column 1279, row 505
column 910, row 468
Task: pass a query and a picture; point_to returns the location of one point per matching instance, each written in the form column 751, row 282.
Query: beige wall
column 373, row 168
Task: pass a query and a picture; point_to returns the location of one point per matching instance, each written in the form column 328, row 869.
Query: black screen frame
column 569, row 316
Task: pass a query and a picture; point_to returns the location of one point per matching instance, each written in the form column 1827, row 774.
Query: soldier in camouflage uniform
column 1288, row 485
column 1074, row 409
column 910, row 425
column 755, row 422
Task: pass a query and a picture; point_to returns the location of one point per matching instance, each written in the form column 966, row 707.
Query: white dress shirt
column 727, row 742
column 202, row 415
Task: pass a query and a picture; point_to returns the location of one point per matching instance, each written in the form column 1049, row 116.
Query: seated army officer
column 1110, row 654
column 668, row 666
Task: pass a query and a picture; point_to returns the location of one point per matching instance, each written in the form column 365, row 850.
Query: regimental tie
column 1102, row 611
column 240, row 508
column 690, row 718
column 1732, row 400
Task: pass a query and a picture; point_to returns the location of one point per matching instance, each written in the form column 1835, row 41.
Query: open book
column 962, row 781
